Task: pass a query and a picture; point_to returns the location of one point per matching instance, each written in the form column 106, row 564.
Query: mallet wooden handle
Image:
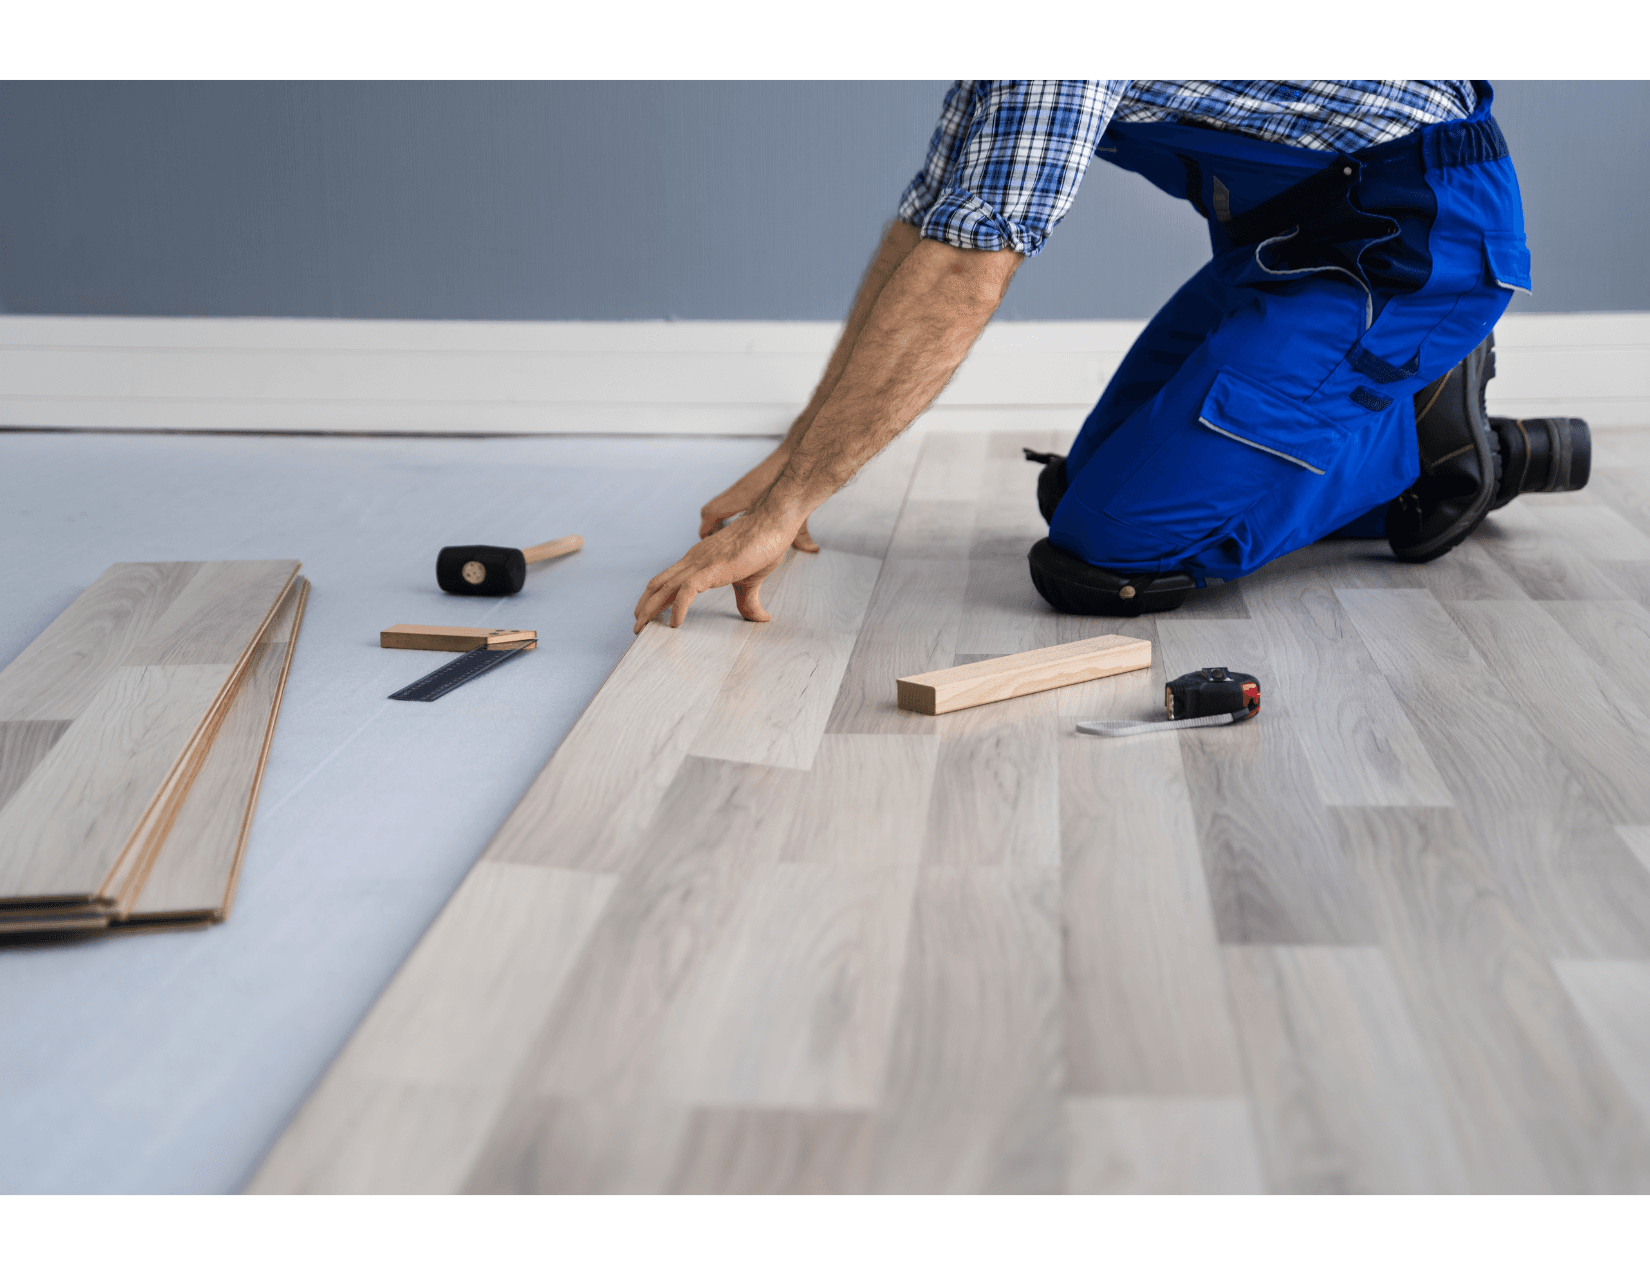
column 553, row 548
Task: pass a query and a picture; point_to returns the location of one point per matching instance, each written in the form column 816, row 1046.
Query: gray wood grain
column 1276, row 869
column 1343, row 1096
column 1559, row 863
column 995, row 793
column 720, row 824
column 1161, row 1146
column 795, row 1004
column 58, row 674
column 598, row 794
column 1613, row 998
column 1548, row 566
column 1532, row 1104
column 22, row 746
column 775, row 700
column 1312, row 952
column 971, row 1099
column 1145, row 995
column 1602, row 735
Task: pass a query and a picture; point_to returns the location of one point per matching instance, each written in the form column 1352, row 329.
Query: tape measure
column 1208, row 697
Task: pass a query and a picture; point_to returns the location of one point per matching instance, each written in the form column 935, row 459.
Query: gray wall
column 647, row 200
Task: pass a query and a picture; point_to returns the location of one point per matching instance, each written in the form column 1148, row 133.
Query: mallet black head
column 484, row 571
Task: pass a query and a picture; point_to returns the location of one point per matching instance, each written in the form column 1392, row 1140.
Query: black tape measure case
column 1210, row 691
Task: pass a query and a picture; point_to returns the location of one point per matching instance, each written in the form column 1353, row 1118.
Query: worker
column 1322, row 374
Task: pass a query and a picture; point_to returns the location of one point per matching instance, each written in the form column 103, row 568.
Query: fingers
column 804, row 541
column 683, row 600
column 710, row 522
column 747, row 597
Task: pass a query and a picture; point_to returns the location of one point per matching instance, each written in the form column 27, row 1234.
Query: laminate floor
column 755, row 929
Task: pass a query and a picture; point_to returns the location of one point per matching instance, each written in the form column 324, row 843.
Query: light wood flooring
column 754, row 929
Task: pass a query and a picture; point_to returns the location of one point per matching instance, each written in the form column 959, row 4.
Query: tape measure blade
column 453, row 674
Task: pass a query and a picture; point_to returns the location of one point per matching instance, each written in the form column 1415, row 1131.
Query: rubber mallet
column 486, row 571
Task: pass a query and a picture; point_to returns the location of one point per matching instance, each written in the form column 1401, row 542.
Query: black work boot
column 1051, row 483
column 1549, row 453
column 1460, row 463
column 1069, row 584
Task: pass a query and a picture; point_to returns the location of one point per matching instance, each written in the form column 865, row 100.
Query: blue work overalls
column 1268, row 404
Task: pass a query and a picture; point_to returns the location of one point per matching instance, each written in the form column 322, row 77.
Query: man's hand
column 906, row 337
column 742, row 554
column 745, row 493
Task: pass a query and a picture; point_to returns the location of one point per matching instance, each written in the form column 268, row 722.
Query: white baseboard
column 339, row 375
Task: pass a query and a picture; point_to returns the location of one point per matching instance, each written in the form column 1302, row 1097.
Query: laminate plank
column 910, row 625
column 718, row 827
column 58, row 674
column 1531, row 1101
column 581, row 1146
column 597, row 795
column 1602, row 735
column 1303, row 626
column 774, row 704
column 1549, row 567
column 1002, row 612
column 1616, row 637
column 1623, row 489
column 217, row 615
column 1613, row 998
column 1343, row 1097
column 22, row 746
column 444, row 1042
column 1638, row 841
column 69, row 823
column 952, row 467
column 1360, row 746
column 1145, row 993
column 1008, row 521
column 1563, row 870
column 1409, row 630
column 972, row 1097
column 1272, row 857
column 199, row 862
column 378, row 1137
column 585, row 1146
column 734, row 1152
column 995, row 794
column 1161, row 1146
column 867, row 802
column 1467, row 573
column 1598, row 531
column 796, row 1003
column 912, row 620
column 1189, row 643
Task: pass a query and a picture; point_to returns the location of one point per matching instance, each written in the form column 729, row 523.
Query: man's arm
column 897, row 241
column 916, row 331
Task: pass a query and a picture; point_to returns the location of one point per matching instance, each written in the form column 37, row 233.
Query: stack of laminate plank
column 133, row 735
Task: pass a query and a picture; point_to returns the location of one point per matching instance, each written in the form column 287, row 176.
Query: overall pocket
column 1246, row 443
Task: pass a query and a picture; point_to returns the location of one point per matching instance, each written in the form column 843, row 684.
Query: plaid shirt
column 1006, row 159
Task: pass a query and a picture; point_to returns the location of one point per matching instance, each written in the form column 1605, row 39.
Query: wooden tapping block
column 1007, row 676
column 449, row 637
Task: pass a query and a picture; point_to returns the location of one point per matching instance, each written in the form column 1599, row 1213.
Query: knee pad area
column 1075, row 587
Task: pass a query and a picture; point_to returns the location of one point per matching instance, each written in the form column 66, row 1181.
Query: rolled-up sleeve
column 1006, row 160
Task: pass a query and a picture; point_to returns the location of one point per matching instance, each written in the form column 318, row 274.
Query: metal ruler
column 454, row 673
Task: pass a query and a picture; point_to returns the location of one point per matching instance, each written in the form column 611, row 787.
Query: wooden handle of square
column 553, row 548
